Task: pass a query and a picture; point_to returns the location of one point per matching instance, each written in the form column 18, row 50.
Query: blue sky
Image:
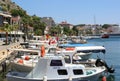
column 74, row 11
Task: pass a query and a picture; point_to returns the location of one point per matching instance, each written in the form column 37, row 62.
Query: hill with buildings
column 41, row 25
column 8, row 5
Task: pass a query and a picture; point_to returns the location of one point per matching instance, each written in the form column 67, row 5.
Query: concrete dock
column 5, row 52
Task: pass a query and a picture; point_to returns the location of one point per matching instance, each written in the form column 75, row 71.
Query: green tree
column 75, row 30
column 38, row 32
column 15, row 28
column 18, row 12
column 105, row 26
column 6, row 28
column 55, row 30
column 4, row 8
column 25, row 21
column 67, row 31
column 37, row 24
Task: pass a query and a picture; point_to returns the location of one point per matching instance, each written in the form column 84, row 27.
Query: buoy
column 20, row 61
column 27, row 57
column 42, row 51
column 104, row 78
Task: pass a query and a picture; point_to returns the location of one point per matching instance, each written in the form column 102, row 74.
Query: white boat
column 29, row 57
column 53, row 67
column 83, row 50
column 79, row 40
column 81, row 55
column 25, row 59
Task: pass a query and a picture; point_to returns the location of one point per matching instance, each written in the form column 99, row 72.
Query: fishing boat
column 105, row 35
column 25, row 59
column 78, row 40
column 83, row 50
column 55, row 67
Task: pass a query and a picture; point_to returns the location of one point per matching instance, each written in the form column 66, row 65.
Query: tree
column 18, row 12
column 105, row 26
column 38, row 32
column 6, row 28
column 25, row 21
column 37, row 24
column 75, row 30
column 55, row 30
column 67, row 31
column 15, row 28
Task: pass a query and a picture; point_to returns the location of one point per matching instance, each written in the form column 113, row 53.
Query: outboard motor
column 111, row 70
column 100, row 62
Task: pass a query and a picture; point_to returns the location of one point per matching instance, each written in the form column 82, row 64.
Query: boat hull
column 22, row 67
column 89, row 78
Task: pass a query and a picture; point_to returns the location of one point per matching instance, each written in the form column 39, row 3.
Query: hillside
column 8, row 5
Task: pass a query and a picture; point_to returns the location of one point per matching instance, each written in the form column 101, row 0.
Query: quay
column 5, row 53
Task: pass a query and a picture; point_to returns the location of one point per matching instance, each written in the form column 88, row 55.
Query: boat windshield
column 67, row 59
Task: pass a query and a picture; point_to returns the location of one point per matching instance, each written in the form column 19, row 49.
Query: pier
column 5, row 53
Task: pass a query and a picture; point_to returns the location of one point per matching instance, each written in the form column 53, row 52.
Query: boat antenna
column 94, row 20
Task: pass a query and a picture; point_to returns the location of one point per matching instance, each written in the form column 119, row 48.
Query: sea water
column 112, row 55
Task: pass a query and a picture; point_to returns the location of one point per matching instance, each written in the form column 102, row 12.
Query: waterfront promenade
column 5, row 54
column 4, row 50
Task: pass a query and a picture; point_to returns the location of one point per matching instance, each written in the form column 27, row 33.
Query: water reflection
column 111, row 78
column 108, row 78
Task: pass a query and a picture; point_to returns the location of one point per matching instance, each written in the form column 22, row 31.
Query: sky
column 74, row 11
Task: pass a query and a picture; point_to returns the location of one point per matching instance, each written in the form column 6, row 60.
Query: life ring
column 42, row 51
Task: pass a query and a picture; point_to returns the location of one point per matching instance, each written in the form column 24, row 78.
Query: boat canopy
column 75, row 45
column 85, row 47
column 93, row 49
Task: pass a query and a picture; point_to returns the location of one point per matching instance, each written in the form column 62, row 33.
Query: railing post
column 45, row 78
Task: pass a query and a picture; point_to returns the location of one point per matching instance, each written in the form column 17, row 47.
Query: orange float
column 42, row 51
column 70, row 49
column 104, row 78
column 27, row 57
column 20, row 61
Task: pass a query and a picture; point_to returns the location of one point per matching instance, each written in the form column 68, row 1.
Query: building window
column 78, row 71
column 56, row 63
column 62, row 72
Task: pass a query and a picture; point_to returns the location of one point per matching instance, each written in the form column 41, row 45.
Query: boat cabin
column 55, row 67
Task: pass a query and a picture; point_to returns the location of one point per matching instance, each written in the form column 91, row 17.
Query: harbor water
column 112, row 55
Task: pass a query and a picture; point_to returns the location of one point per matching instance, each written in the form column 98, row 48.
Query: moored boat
column 105, row 35
column 54, row 68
